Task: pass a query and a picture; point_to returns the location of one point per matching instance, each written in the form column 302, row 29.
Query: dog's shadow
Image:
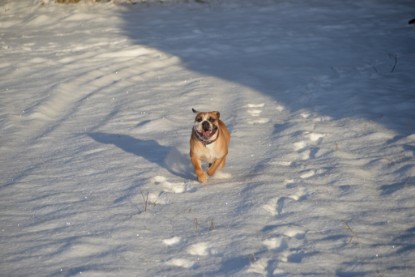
column 167, row 157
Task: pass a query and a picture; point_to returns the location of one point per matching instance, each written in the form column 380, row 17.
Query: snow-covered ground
column 95, row 120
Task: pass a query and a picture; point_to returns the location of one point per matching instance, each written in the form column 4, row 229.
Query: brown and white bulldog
column 209, row 143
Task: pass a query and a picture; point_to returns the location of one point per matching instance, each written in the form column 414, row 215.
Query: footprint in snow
column 170, row 187
column 259, row 266
column 284, row 249
column 172, row 241
column 275, row 243
column 284, row 240
column 276, row 205
column 184, row 263
column 255, row 110
column 293, row 232
column 307, row 147
column 198, row 249
column 306, row 115
column 315, row 137
column 308, row 174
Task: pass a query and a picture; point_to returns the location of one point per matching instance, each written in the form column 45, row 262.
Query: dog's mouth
column 207, row 133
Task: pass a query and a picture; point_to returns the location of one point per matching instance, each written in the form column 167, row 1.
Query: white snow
column 95, row 121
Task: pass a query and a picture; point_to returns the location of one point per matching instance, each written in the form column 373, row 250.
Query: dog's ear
column 217, row 114
column 194, row 110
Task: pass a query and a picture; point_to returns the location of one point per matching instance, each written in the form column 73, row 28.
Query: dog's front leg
column 212, row 169
column 201, row 175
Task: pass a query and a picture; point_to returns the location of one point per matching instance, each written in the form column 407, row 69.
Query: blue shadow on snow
column 167, row 157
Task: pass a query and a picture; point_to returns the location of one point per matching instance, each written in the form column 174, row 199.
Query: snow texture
column 95, row 121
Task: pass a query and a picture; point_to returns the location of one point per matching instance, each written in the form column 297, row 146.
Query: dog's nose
column 205, row 125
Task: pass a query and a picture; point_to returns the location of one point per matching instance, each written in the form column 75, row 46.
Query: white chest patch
column 209, row 153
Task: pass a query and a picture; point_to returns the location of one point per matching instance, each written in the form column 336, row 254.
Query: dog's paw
column 202, row 178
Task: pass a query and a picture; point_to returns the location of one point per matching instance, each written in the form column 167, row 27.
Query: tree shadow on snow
column 303, row 67
column 167, row 157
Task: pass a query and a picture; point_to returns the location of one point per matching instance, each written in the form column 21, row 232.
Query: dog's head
column 206, row 124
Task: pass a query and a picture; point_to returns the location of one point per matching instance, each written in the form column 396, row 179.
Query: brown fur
column 213, row 153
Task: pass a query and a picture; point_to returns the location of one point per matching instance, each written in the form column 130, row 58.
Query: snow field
column 96, row 116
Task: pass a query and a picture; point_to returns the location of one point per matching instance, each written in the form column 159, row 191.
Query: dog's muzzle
column 207, row 134
column 205, row 126
column 207, row 130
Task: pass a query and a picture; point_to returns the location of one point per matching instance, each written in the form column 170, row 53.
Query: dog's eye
column 199, row 119
column 211, row 119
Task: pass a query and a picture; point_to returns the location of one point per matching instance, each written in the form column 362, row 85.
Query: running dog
column 209, row 143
